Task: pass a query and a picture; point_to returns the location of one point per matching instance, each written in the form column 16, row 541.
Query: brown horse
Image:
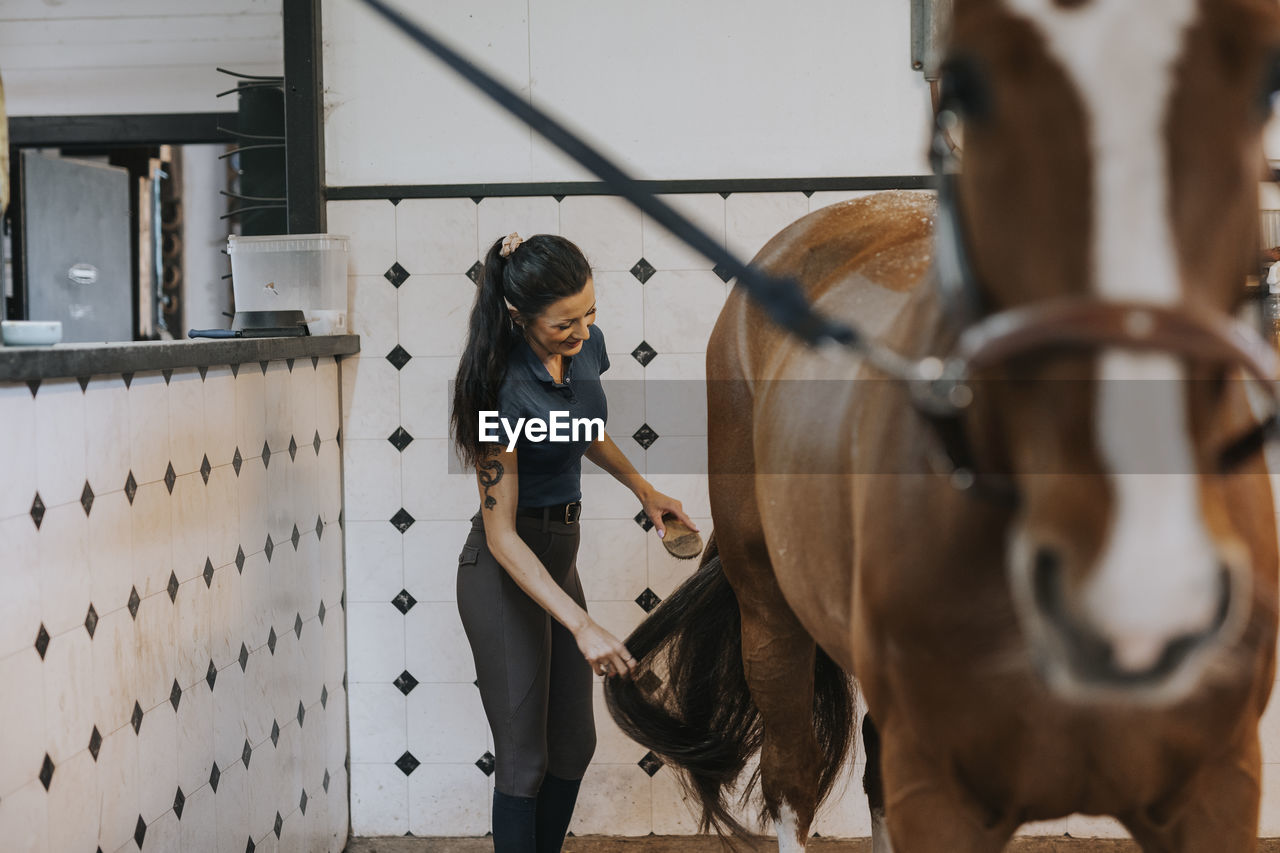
column 1075, row 610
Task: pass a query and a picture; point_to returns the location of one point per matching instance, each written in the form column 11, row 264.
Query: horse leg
column 873, row 785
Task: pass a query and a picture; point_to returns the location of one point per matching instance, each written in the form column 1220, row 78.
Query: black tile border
column 25, row 364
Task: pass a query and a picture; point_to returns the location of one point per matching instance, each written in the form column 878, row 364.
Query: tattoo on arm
column 490, row 475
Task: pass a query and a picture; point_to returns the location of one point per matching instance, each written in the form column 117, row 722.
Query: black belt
column 566, row 513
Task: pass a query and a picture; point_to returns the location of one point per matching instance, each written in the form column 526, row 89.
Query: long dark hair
column 543, row 269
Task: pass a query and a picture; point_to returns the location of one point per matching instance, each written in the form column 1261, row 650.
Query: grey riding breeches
column 535, row 685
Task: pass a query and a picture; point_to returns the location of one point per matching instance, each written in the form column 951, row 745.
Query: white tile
column 226, row 616
column 605, row 497
column 664, row 252
column 195, row 736
column 60, row 441
column 425, row 395
column 199, row 824
column 370, row 398
column 677, row 454
column 115, row 674
column 221, row 420
column 222, row 516
column 336, row 746
column 614, row 800
column 18, row 437
column 278, row 398
column 375, row 561
column 431, row 551
column 231, row 806
column 190, row 518
column 371, row 225
column 186, row 420
column 1086, row 826
column 606, row 228
column 526, row 215
column 329, row 482
column 612, row 746
column 673, row 812
column 435, row 313
column 752, row 219
column 436, row 647
column 335, row 651
column 279, row 506
column 106, row 430
column 611, row 560
column 1269, row 819
column 446, row 724
column 72, row 826
column 619, row 311
column 258, row 712
column 330, row 563
column 676, row 394
column 436, row 235
column 680, row 309
column 193, row 629
column 451, row 799
column 157, row 659
column 375, row 642
column 377, row 723
column 24, row 819
column 293, row 741
column 379, row 800
column 20, row 613
column 255, row 600
column 328, row 412
column 152, row 538
column 302, row 401
column 22, row 721
column 229, row 696
column 110, row 551
column 68, row 709
column 284, row 685
column 304, row 484
column 264, row 790
column 340, row 823
column 118, row 783
column 430, row 490
column 371, row 470
column 165, row 833
column 149, row 453
column 251, row 410
column 619, row 618
column 157, row 761
column 689, row 489
column 63, row 546
column 252, row 505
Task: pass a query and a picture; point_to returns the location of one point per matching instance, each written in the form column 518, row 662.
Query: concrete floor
column 704, row 844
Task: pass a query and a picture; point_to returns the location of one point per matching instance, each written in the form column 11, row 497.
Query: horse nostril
column 1046, row 580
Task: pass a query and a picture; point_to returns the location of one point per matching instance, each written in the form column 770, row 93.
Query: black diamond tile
column 723, row 272
column 140, row 832
column 650, row 764
column 407, row 763
column 297, row 625
column 319, row 528
column 42, row 641
column 644, row 353
column 262, row 365
column 404, row 601
column 645, row 436
column 37, row 510
column 250, row 847
column 237, row 461
column 400, row 439
column 320, row 615
column 406, row 682
column 315, row 362
column 244, row 657
column 214, row 775
column 325, row 783
column 324, row 696
column 278, row 824
column 34, row 385
column 208, row 572
column 86, row 498
column 266, row 455
column 235, row 370
column 302, row 713
column 474, row 271
column 179, row 801
column 271, row 641
column 246, row 753
column 402, row 520
column 84, row 383
column 134, row 601
column 175, row 694
column 130, row 487
column 315, row 442
column 172, row 588
column 399, row 357
column 396, row 275
column 91, row 621
column 293, row 449
column 136, row 719
column 289, row 363
column 294, row 537
column 205, row 469
column 170, row 478
column 485, row 763
column 239, row 560
column 643, row 270
column 269, row 547
column 95, row 743
column 275, row 733
column 643, row 520
column 46, row 771
column 211, row 677
column 204, row 371
column 648, row 600
column 167, row 373
column 302, row 801
column 128, row 379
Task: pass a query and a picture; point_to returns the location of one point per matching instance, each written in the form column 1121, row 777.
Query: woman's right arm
column 499, row 486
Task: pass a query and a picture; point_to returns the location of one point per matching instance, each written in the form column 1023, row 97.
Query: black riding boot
column 556, row 800
column 514, row 823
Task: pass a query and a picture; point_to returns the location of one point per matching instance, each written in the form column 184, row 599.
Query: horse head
column 1111, row 155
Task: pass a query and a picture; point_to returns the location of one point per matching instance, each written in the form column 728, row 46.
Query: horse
column 1054, row 580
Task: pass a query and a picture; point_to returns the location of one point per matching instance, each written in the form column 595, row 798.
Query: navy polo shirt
column 551, row 471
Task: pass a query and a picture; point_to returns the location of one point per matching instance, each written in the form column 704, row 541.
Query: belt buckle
column 572, row 511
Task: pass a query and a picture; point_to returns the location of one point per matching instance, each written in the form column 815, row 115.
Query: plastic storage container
column 293, row 272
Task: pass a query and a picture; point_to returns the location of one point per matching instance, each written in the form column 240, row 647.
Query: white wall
column 675, row 90
column 87, row 57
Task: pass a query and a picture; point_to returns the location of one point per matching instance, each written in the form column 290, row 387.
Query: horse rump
column 690, row 704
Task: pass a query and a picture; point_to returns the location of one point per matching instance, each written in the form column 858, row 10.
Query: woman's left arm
column 607, row 455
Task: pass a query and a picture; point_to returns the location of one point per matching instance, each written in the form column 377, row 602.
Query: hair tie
column 510, row 243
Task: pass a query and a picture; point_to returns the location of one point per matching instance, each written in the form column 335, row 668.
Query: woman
column 532, row 350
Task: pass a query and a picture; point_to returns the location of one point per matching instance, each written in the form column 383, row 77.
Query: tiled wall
column 420, row 747
column 172, row 612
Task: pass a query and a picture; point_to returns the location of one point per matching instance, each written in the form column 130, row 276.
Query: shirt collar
column 540, row 372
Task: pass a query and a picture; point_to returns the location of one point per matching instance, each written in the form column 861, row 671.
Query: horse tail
column 690, row 703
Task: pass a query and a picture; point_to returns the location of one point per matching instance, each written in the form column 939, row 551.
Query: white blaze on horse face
column 788, row 830
column 1156, row 577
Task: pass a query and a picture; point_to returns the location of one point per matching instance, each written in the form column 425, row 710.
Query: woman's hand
column 603, row 651
column 656, row 504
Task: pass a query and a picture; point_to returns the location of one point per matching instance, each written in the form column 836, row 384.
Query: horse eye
column 963, row 89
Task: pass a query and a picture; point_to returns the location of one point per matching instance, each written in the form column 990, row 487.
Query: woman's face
column 563, row 327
